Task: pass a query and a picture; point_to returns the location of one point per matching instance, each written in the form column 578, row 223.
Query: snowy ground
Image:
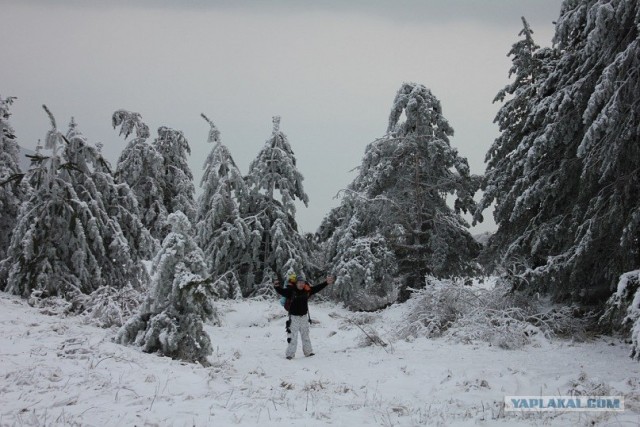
column 59, row 371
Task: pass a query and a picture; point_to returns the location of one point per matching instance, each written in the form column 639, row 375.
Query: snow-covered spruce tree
column 121, row 203
column 275, row 246
column 574, row 218
column 622, row 314
column 141, row 167
column 432, row 237
column 65, row 242
column 117, row 209
column 13, row 189
column 507, row 160
column 178, row 189
column 158, row 173
column 365, row 265
column 171, row 319
column 399, row 195
column 220, row 230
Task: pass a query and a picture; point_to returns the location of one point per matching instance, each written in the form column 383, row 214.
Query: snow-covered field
column 60, row 371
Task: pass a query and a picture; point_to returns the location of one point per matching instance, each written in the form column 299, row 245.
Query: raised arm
column 285, row 292
column 321, row 286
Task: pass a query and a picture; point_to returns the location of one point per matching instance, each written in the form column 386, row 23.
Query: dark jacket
column 300, row 298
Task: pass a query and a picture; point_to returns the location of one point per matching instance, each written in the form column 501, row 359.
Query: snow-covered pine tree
column 67, row 241
column 171, row 319
column 220, row 230
column 121, row 203
column 275, row 246
column 579, row 188
column 116, row 210
column 365, row 265
column 55, row 241
column 507, row 160
column 141, row 167
column 432, row 237
column 13, row 189
column 399, row 199
column 610, row 152
column 158, row 173
column 178, row 188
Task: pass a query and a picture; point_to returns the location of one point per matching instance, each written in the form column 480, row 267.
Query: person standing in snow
column 297, row 299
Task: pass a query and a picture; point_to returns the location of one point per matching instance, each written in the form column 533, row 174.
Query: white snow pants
column 299, row 324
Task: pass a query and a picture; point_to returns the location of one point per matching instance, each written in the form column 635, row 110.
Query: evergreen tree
column 178, row 191
column 13, row 190
column 158, row 173
column 115, row 205
column 274, row 245
column 610, row 151
column 365, row 265
column 398, row 200
column 433, row 238
column 507, row 160
column 220, row 230
column 65, row 242
column 171, row 319
column 574, row 218
column 141, row 167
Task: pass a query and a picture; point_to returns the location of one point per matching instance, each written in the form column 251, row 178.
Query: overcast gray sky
column 329, row 68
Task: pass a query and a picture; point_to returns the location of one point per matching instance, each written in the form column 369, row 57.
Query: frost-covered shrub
column 497, row 316
column 432, row 310
column 503, row 328
column 49, row 305
column 585, row 386
column 105, row 307
column 108, row 306
column 361, row 319
column 623, row 310
column 265, row 292
column 370, row 337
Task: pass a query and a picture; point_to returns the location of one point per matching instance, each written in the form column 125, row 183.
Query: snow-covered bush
column 503, row 328
column 623, row 310
column 497, row 316
column 585, row 386
column 171, row 319
column 49, row 305
column 432, row 310
column 105, row 307
column 108, row 306
column 265, row 292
